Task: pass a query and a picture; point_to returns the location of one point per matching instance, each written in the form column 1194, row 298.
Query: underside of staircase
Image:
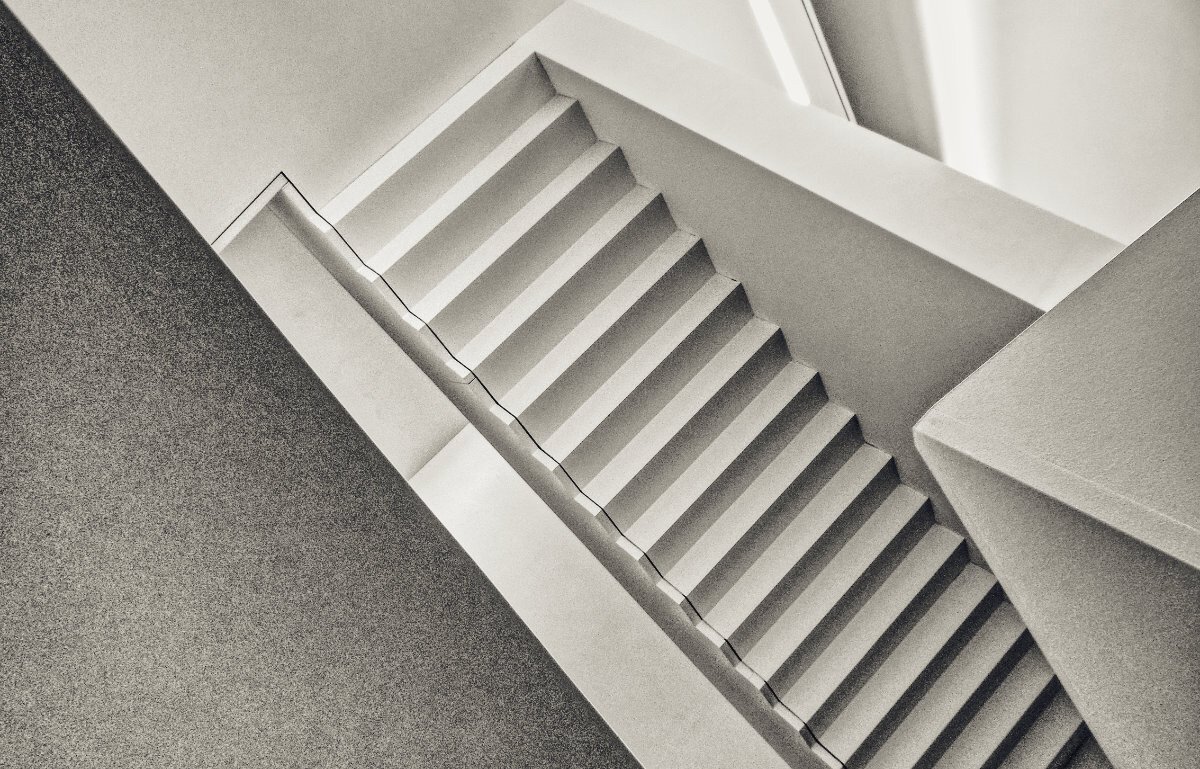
column 681, row 421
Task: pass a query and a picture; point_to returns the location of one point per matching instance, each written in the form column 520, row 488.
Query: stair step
column 600, row 320
column 1001, row 721
column 821, row 599
column 957, row 694
column 476, row 352
column 527, row 146
column 938, row 556
column 503, row 239
column 803, row 535
column 626, row 379
column 936, row 636
column 438, row 152
column 712, row 419
column 682, row 408
column 537, row 257
column 1050, row 739
column 707, row 468
column 562, row 311
column 759, row 498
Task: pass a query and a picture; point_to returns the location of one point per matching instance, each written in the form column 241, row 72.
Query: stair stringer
column 709, row 650
column 671, row 611
column 666, row 606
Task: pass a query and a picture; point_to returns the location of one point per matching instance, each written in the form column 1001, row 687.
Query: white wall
column 1091, row 110
column 731, row 33
column 1025, row 251
column 1088, row 109
column 215, row 98
column 722, row 31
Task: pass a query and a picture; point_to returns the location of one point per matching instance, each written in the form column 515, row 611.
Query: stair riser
column 781, row 514
column 651, row 395
column 545, row 241
column 811, row 647
column 895, row 716
column 813, row 562
column 484, row 233
column 561, row 399
column 724, row 487
column 446, row 158
column 496, row 208
column 1051, row 740
column 501, row 196
column 828, row 711
column 1022, row 726
column 725, row 494
column 698, row 433
column 546, row 326
column 1064, row 756
column 977, row 699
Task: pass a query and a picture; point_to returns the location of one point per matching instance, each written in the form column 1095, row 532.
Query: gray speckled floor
column 203, row 562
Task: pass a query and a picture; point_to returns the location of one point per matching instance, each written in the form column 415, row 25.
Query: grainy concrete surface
column 203, row 562
column 1071, row 458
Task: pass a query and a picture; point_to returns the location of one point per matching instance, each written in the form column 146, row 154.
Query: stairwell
column 681, row 422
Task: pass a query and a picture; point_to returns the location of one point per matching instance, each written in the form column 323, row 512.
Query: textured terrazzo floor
column 203, row 562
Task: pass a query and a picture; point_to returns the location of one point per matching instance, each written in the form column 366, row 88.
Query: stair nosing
column 674, row 502
column 844, row 738
column 460, row 192
column 1052, row 737
column 1031, row 677
column 699, row 391
column 584, row 336
column 500, row 242
column 853, row 561
column 552, row 280
column 799, row 696
column 735, row 606
column 922, row 728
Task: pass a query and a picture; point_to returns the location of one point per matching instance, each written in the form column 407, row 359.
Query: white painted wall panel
column 215, row 98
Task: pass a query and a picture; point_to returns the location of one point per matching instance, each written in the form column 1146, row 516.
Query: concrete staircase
column 679, row 419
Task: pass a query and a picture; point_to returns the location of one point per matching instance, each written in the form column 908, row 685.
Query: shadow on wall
column 879, row 51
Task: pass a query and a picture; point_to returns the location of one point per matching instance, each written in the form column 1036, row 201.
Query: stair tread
column 998, row 718
column 1026, row 722
column 822, row 596
column 950, row 694
column 589, row 330
column 716, row 542
column 681, row 409
column 557, row 275
column 907, row 662
column 716, row 458
column 630, row 374
column 483, row 257
column 1048, row 737
column 813, row 689
column 470, row 183
column 802, row 534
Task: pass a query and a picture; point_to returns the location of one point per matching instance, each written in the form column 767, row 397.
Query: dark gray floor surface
column 203, row 562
